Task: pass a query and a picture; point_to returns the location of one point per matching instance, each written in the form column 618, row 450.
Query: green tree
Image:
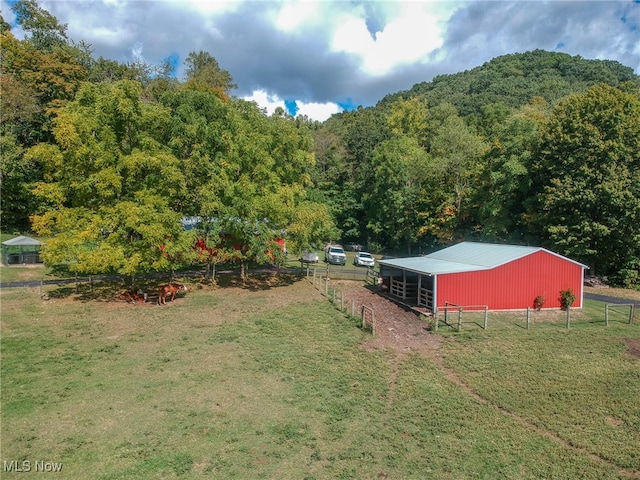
column 360, row 132
column 410, row 117
column 400, row 167
column 504, row 180
column 247, row 176
column 333, row 182
column 261, row 177
column 587, row 180
column 456, row 151
column 43, row 30
column 111, row 190
column 16, row 173
column 203, row 70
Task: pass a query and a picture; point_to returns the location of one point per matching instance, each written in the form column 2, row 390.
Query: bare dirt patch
column 633, row 347
column 397, row 329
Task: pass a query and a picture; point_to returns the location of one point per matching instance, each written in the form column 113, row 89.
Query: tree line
column 106, row 160
column 538, row 148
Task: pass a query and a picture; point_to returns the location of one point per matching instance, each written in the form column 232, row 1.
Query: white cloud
column 325, row 50
column 408, row 37
column 352, row 36
column 315, row 111
column 136, row 52
column 266, row 101
column 318, row 111
column 296, row 13
column 215, row 7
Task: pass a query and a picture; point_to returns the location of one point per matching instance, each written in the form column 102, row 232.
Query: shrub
column 538, row 302
column 567, row 297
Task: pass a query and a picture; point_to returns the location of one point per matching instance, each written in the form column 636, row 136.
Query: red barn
column 501, row 277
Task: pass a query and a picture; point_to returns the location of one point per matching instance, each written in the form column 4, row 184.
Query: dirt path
column 397, row 329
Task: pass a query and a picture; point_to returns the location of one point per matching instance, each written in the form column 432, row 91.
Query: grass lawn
column 268, row 380
column 25, row 273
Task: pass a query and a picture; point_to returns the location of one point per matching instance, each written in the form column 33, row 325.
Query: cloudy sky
column 319, row 57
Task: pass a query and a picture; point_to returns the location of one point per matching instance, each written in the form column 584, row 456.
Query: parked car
column 335, row 255
column 364, row 259
column 310, row 257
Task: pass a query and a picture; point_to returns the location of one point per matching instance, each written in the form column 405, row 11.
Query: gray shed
column 21, row 250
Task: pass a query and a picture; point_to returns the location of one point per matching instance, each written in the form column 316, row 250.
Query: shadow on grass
column 120, row 290
column 257, row 281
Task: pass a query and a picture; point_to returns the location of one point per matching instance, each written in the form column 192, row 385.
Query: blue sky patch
column 347, row 104
column 173, row 59
column 291, row 106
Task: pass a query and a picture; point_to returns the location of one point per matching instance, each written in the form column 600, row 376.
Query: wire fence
column 321, row 280
column 458, row 317
column 452, row 317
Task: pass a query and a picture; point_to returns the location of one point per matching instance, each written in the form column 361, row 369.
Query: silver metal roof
column 466, row 257
column 22, row 240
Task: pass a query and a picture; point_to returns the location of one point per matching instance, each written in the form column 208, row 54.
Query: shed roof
column 22, row 241
column 466, row 257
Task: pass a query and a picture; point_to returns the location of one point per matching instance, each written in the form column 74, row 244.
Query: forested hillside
column 513, row 80
column 106, row 160
column 535, row 148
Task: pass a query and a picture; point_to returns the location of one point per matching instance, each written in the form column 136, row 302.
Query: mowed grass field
column 269, row 380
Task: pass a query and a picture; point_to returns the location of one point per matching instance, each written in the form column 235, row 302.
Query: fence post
column 606, row 315
column 631, row 314
column 91, row 283
column 373, row 322
column 486, row 316
column 459, row 318
column 341, row 302
column 326, row 284
column 528, row 317
column 435, row 322
column 568, row 316
column 40, row 289
column 353, row 308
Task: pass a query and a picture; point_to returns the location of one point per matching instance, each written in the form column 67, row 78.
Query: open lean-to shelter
column 21, row 250
column 471, row 274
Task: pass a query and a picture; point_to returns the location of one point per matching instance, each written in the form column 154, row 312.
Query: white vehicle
column 310, row 257
column 364, row 259
column 335, row 255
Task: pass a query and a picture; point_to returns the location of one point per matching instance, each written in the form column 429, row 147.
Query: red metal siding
column 514, row 285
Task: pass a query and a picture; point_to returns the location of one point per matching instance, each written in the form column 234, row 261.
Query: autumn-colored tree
column 44, row 68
